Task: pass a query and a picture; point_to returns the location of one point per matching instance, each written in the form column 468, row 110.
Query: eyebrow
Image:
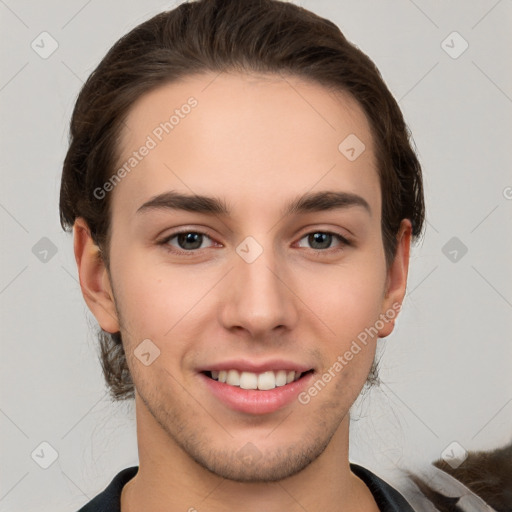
column 310, row 202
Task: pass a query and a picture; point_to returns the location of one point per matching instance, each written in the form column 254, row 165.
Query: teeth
column 233, row 378
column 248, row 380
column 262, row 381
column 281, row 378
column 266, row 380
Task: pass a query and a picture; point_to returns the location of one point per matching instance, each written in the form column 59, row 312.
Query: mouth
column 261, row 391
column 263, row 381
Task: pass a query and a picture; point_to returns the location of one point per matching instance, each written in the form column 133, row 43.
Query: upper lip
column 245, row 365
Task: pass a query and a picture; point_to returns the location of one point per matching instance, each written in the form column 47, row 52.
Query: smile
column 260, row 391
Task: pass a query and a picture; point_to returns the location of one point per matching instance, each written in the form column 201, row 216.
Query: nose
column 258, row 296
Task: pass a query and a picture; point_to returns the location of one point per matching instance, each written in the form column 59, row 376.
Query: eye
column 186, row 241
column 322, row 240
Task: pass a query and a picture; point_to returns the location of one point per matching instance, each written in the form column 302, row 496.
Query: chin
column 249, row 465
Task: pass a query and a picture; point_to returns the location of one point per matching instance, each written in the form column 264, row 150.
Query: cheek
column 158, row 302
column 348, row 299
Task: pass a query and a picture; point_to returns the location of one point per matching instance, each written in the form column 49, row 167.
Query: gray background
column 446, row 370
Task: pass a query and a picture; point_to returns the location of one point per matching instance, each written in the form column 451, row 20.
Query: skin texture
column 256, row 142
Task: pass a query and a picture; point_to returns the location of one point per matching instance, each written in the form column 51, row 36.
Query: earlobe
column 396, row 281
column 94, row 278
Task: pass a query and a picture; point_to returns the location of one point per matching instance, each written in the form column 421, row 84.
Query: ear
column 396, row 281
column 94, row 278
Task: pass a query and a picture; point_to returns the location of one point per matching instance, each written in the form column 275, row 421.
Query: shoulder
column 109, row 500
column 387, row 498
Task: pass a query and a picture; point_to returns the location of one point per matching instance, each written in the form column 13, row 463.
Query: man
column 243, row 197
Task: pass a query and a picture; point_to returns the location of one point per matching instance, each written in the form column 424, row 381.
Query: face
column 267, row 280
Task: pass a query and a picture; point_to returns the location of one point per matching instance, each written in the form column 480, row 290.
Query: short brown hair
column 262, row 36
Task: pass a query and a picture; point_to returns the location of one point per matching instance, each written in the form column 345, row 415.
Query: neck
column 169, row 479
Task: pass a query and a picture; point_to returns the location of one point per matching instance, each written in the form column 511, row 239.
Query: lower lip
column 253, row 401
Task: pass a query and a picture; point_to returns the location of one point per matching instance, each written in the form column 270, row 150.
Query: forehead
column 251, row 136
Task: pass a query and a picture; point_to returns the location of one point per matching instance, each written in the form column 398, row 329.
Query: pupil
column 323, row 239
column 190, row 238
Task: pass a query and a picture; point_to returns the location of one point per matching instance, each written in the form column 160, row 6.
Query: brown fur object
column 488, row 474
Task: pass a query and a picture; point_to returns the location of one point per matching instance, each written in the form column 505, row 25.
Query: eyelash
column 165, row 242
